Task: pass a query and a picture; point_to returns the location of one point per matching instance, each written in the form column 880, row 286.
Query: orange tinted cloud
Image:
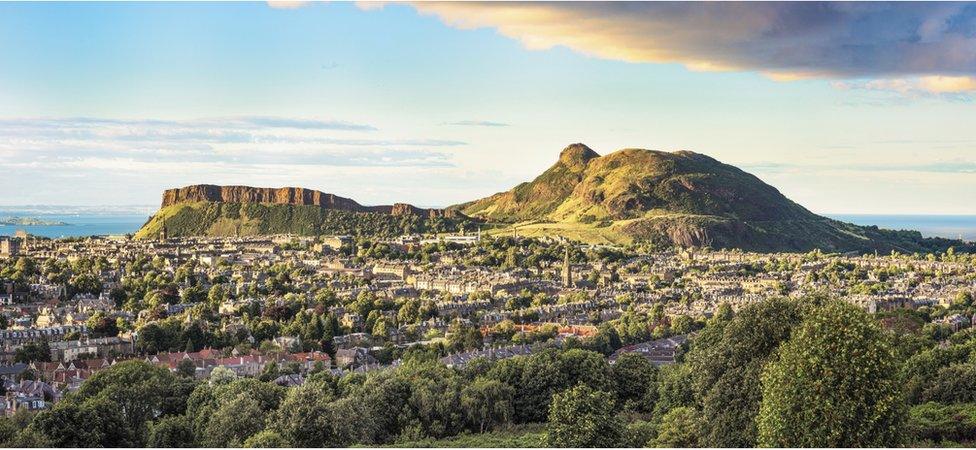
column 784, row 41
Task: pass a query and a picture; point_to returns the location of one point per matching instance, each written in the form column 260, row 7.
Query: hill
column 210, row 210
column 675, row 198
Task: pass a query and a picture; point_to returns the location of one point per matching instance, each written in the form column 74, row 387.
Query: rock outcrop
column 290, row 196
column 248, row 194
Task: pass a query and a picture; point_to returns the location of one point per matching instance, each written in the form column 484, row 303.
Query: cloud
column 933, row 43
column 287, row 4
column 78, row 143
column 478, row 123
column 934, row 85
column 249, row 122
column 942, row 167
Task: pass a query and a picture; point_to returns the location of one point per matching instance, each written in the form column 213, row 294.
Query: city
column 524, row 224
column 285, row 308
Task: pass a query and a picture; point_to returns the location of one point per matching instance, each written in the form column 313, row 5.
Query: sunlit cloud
column 287, row 4
column 918, row 86
column 931, row 43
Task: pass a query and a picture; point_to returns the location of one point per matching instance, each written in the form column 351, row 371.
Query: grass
column 516, row 436
column 588, row 233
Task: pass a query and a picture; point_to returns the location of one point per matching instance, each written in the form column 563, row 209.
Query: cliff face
column 295, row 196
column 247, row 194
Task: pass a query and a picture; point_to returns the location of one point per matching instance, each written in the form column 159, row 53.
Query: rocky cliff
column 211, row 210
column 248, row 194
column 289, row 196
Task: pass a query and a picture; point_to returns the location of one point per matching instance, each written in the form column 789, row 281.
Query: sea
column 89, row 221
column 952, row 227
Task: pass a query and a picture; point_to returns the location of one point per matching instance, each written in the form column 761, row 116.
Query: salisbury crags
column 210, row 210
column 287, row 196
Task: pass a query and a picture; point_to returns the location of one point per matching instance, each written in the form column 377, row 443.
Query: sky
column 845, row 108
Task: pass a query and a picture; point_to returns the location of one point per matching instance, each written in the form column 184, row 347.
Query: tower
column 163, row 234
column 567, row 270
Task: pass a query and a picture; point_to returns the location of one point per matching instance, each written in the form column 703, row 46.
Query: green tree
column 633, row 376
column 233, row 422
column 33, row 351
column 727, row 359
column 674, row 389
column 186, row 368
column 110, row 409
column 487, row 403
column 170, row 432
column 266, row 439
column 583, row 417
column 680, row 427
column 834, row 385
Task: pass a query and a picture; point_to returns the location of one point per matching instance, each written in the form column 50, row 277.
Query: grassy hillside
column 249, row 219
column 674, row 198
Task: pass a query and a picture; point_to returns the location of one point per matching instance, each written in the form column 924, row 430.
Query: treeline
column 778, row 373
column 785, row 373
column 137, row 404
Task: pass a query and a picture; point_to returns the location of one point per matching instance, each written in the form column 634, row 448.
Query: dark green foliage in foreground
column 826, row 373
column 932, row 424
column 583, row 417
column 111, row 409
column 680, row 427
column 727, row 361
column 833, row 385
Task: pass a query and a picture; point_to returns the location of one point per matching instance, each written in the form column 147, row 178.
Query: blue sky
column 844, row 108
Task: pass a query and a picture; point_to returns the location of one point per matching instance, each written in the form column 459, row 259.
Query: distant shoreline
column 30, row 222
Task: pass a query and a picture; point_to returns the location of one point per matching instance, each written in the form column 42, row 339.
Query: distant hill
column 210, row 210
column 675, row 198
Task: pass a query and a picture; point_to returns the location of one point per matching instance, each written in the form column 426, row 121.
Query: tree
column 310, row 416
column 266, row 439
column 233, row 422
column 186, row 368
column 633, row 375
column 673, row 389
column 100, row 325
column 834, row 385
column 583, row 417
column 228, row 413
column 727, row 359
column 110, row 409
column 33, row 351
column 932, row 424
column 487, row 403
column 222, row 375
column 680, row 427
column 170, row 432
column 952, row 384
column 70, row 424
column 584, row 366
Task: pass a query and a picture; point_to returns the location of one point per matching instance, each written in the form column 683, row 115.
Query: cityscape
column 403, row 243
